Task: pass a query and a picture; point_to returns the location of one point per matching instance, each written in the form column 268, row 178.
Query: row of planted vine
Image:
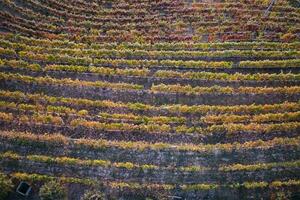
column 171, row 109
column 229, row 128
column 129, row 165
column 84, row 60
column 79, row 23
column 106, row 71
column 144, row 119
column 18, row 42
column 161, row 88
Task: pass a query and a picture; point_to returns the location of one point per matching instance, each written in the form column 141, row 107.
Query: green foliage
column 173, row 108
column 200, row 187
column 225, row 76
column 52, row 190
column 270, row 63
column 93, row 195
column 189, row 90
column 5, row 186
column 70, row 82
column 126, row 165
column 253, row 185
column 294, row 3
column 83, row 112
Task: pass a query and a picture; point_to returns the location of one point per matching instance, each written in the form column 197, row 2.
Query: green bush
column 52, row 191
column 92, row 195
column 5, row 185
column 294, row 3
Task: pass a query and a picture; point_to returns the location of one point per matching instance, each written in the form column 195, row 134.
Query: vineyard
column 149, row 100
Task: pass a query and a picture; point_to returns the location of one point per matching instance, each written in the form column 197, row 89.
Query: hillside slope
column 151, row 99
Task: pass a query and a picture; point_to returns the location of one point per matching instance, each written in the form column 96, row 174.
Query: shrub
column 6, row 116
column 5, row 185
column 83, row 112
column 253, row 185
column 52, row 191
column 92, row 195
column 288, row 37
column 294, row 3
column 199, row 187
column 126, row 165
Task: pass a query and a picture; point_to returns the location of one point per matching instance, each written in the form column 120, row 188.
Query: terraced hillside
column 164, row 99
